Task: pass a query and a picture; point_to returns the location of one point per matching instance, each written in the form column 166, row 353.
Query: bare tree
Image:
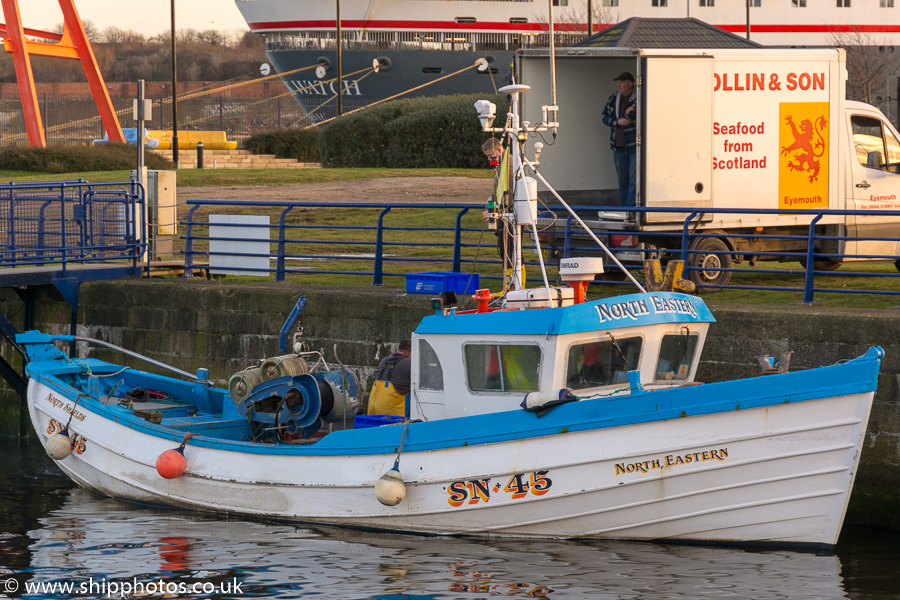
column 872, row 65
column 251, row 41
column 90, row 29
column 111, row 35
column 575, row 19
column 212, row 37
column 187, row 36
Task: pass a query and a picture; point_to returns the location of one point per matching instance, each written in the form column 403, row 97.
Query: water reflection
column 90, row 539
column 51, row 533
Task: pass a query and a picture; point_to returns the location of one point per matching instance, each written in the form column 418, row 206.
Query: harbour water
column 54, row 534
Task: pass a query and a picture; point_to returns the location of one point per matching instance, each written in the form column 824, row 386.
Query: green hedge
column 439, row 131
column 76, row 159
column 300, row 144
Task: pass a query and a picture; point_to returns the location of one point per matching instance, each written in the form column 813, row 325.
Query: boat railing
column 201, row 376
column 383, row 240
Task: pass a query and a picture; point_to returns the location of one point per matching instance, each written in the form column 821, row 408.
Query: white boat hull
column 777, row 474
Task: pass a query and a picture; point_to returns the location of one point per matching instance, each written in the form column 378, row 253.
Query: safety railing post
column 62, row 225
column 280, row 261
column 189, row 244
column 379, row 249
column 131, row 208
column 457, row 241
column 809, row 282
column 11, row 227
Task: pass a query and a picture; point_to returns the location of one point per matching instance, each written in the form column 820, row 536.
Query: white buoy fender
column 59, row 446
column 390, row 489
column 541, row 402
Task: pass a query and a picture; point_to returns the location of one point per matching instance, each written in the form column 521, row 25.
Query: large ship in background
column 418, row 42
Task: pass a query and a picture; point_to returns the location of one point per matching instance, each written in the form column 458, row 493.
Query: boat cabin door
column 426, row 394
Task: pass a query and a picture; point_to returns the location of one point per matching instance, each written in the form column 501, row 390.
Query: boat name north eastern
column 671, row 460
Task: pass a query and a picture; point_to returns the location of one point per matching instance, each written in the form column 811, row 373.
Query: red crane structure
column 73, row 44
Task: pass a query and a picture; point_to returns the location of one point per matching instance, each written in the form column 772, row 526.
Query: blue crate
column 363, row 421
column 435, row 283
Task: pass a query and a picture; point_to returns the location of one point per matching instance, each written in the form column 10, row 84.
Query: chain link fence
column 74, row 120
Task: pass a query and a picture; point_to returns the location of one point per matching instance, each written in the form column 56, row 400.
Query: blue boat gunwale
column 854, row 376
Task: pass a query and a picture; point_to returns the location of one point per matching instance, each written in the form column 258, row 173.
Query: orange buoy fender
column 171, row 463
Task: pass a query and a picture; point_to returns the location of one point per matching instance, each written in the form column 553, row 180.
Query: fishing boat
column 537, row 414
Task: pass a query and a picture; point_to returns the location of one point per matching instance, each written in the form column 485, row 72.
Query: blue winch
column 295, row 404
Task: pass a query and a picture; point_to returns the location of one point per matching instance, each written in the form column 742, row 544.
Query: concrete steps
column 234, row 159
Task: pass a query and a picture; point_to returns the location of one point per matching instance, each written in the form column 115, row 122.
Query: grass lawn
column 212, row 177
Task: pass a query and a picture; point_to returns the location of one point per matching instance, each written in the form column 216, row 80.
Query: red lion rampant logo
column 808, row 146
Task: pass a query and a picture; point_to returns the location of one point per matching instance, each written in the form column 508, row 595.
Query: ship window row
column 593, row 364
column 415, row 40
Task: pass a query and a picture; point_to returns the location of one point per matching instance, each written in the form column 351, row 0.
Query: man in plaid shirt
column 619, row 114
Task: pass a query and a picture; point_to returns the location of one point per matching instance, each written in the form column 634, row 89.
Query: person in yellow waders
column 388, row 395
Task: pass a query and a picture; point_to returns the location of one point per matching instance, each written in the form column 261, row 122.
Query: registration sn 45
column 518, row 486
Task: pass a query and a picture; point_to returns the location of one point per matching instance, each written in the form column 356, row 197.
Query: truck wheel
column 706, row 269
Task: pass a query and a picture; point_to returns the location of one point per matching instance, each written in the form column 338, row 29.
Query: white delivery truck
column 733, row 129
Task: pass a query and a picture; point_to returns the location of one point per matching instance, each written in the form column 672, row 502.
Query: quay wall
column 226, row 326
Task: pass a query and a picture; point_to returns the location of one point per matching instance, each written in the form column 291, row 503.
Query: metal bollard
column 199, row 155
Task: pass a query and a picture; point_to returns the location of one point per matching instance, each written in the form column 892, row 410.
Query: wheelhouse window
column 503, row 367
column 798, row 3
column 431, row 374
column 676, row 355
column 876, row 146
column 659, row 3
column 607, row 362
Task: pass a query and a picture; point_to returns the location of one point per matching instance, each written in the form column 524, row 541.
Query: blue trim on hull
column 856, row 376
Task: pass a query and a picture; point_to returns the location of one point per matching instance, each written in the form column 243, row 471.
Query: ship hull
column 769, row 460
column 404, row 74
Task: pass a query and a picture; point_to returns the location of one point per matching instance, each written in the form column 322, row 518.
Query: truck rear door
column 677, row 140
column 874, row 183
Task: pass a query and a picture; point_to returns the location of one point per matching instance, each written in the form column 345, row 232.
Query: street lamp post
column 748, row 19
column 340, row 104
column 174, row 94
column 590, row 15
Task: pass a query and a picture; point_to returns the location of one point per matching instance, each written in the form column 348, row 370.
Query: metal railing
column 808, row 250
column 284, row 262
column 377, row 242
column 71, row 222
